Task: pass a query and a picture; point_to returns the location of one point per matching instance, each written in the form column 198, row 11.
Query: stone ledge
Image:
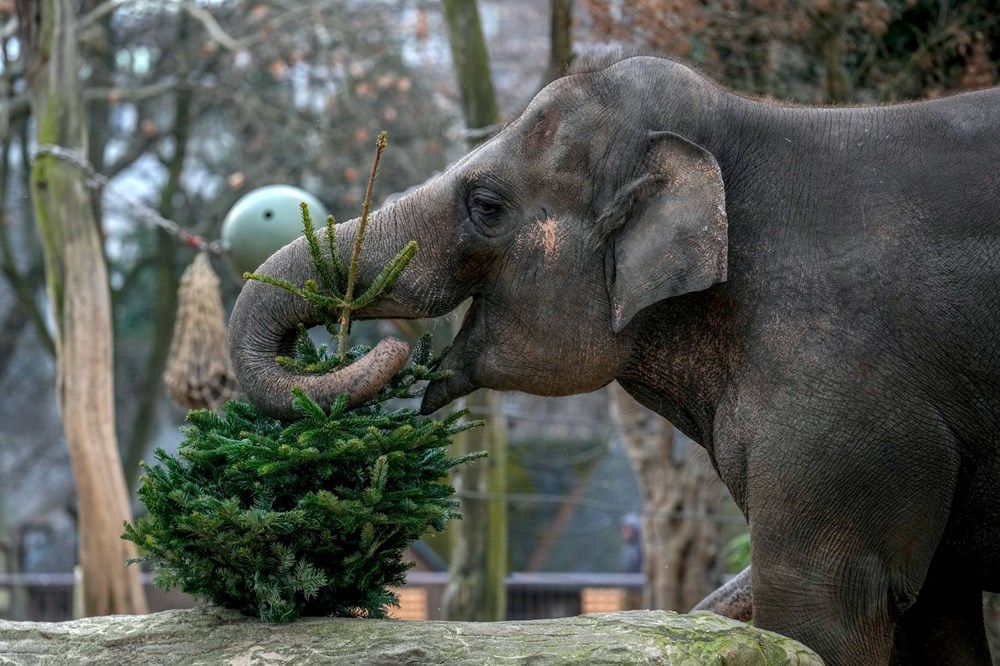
column 213, row 636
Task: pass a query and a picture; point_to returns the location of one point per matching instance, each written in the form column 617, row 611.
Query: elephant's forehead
column 540, row 132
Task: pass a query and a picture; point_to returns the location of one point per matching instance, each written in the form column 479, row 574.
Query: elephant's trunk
column 265, row 318
column 264, row 325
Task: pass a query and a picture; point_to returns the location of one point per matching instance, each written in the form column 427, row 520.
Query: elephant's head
column 561, row 228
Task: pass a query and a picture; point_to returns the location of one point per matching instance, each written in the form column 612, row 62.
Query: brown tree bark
column 683, row 520
column 472, row 64
column 560, row 41
column 76, row 276
column 829, row 22
column 478, row 560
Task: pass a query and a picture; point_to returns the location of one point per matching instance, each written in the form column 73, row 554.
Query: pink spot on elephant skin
column 550, row 238
column 546, row 235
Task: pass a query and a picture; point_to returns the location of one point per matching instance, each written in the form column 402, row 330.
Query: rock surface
column 219, row 637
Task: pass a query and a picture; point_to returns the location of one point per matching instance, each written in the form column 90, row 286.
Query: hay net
column 198, row 373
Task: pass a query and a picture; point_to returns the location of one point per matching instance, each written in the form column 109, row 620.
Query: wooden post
column 478, row 562
column 77, row 281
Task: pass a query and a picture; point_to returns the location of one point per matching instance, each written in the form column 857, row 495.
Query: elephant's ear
column 665, row 231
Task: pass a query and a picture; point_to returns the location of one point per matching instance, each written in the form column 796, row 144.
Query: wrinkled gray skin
column 812, row 294
column 734, row 599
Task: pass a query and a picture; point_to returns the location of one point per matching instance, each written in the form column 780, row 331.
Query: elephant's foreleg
column 841, row 549
column 733, row 600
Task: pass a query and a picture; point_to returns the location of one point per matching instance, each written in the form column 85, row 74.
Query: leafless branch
column 138, row 147
column 203, row 16
column 12, row 110
column 139, row 94
column 9, row 29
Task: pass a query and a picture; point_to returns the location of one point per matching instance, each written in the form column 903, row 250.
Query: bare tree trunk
column 830, row 23
column 472, row 64
column 682, row 543
column 479, row 555
column 95, row 48
column 76, row 275
column 560, row 41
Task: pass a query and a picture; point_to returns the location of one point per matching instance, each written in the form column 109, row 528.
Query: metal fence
column 530, row 596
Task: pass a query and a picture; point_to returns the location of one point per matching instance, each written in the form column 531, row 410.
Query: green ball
column 263, row 221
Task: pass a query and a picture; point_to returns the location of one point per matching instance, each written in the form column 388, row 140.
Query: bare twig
column 352, row 270
column 289, row 14
column 133, row 94
column 98, row 181
column 211, row 26
column 9, row 29
column 203, row 16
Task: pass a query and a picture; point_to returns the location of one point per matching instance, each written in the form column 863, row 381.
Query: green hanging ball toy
column 263, row 221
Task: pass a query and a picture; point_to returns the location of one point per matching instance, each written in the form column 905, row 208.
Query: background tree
column 560, row 40
column 296, row 96
column 311, row 81
column 684, row 522
column 819, row 50
column 78, row 291
column 479, row 554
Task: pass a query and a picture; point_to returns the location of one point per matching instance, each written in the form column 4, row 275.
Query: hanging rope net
column 198, row 373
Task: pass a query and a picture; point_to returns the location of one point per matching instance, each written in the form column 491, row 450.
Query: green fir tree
column 311, row 517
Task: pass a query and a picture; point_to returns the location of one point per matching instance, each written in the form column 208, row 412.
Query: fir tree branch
column 329, row 283
column 312, row 293
column 276, row 282
column 331, row 239
column 387, row 277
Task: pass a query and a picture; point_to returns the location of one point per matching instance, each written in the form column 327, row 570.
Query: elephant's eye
column 485, row 208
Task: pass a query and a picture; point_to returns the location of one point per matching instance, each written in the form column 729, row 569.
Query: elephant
column 811, row 294
column 733, row 600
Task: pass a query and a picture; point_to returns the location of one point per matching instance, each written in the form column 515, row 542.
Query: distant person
column 631, row 561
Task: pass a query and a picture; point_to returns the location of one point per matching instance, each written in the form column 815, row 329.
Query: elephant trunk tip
column 269, row 387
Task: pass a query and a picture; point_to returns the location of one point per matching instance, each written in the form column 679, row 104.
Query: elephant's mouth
column 458, row 362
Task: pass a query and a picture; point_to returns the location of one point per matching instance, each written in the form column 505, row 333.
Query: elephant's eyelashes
column 486, row 209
